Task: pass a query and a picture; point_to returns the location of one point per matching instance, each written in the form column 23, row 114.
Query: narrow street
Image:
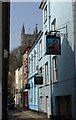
column 22, row 115
column 17, row 115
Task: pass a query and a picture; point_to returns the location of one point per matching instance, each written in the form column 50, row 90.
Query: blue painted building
column 33, row 66
column 57, row 96
column 33, row 95
column 60, row 16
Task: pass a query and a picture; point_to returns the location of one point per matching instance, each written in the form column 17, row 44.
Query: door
column 46, row 104
column 26, row 100
column 63, row 107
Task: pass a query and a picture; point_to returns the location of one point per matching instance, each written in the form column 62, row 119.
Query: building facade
column 25, row 77
column 62, row 67
column 33, row 66
column 17, row 86
column 20, row 86
column 27, row 40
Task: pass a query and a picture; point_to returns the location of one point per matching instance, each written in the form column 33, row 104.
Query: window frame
column 46, row 73
column 53, row 25
column 55, row 69
column 45, row 14
column 40, row 49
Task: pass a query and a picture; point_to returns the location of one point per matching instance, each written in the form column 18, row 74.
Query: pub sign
column 53, row 45
column 38, row 80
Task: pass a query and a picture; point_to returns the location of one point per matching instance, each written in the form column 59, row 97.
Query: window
column 31, row 63
column 24, row 69
column 63, row 106
column 34, row 60
column 40, row 49
column 41, row 100
column 34, row 95
column 53, row 25
column 55, row 70
column 31, row 92
column 45, row 14
column 41, row 70
column 46, row 73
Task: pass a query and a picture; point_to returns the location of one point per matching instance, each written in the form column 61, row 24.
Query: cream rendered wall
column 16, row 76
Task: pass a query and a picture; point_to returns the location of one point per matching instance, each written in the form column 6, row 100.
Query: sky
column 27, row 13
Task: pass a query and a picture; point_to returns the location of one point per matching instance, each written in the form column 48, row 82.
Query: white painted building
column 20, row 86
column 59, row 69
column 17, row 86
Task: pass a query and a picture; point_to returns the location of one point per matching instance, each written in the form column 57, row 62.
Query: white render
column 17, row 86
column 20, row 84
column 16, row 77
column 65, row 14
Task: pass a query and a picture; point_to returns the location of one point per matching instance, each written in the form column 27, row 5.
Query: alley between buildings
column 18, row 114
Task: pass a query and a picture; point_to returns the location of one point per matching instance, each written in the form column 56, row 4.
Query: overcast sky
column 23, row 12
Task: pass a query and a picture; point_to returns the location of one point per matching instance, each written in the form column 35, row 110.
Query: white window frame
column 46, row 73
column 34, row 60
column 55, row 69
column 40, row 49
column 41, row 99
column 53, row 25
column 45, row 14
column 31, row 63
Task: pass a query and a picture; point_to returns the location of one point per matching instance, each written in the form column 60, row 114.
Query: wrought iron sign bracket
column 55, row 33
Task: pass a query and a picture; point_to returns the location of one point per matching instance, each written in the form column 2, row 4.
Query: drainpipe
column 51, row 99
column 38, row 99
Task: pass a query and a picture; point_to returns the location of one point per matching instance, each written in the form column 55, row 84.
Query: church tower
column 35, row 30
column 22, row 35
column 27, row 39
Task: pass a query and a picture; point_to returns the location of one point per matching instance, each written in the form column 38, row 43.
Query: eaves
column 36, row 41
column 42, row 4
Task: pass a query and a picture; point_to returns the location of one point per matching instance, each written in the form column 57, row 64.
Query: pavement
column 33, row 114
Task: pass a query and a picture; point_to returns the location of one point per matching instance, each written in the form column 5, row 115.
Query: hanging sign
column 38, row 80
column 53, row 45
column 27, row 86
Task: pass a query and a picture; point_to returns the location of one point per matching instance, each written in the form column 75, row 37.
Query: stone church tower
column 27, row 39
column 22, row 38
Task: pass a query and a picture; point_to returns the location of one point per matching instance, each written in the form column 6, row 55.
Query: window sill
column 40, row 58
column 56, row 81
column 45, row 20
column 46, row 84
column 40, row 86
